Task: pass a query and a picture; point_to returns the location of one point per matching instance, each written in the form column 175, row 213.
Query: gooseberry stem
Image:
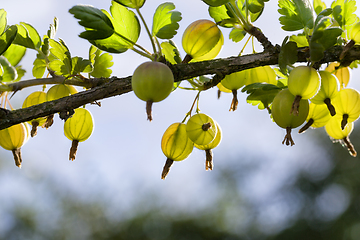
column 331, row 107
column 350, row 147
column 17, row 157
column 169, row 162
column 149, row 110
column 234, row 102
column 209, row 160
column 147, row 29
column 34, row 125
column 192, row 106
column 295, row 106
column 144, row 52
column 288, row 138
column 307, row 125
column 344, row 121
column 73, row 149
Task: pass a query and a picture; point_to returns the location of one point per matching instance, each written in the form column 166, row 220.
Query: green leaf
column 256, row 7
column 319, row 6
column 81, row 65
column 324, row 36
column 20, row 72
column 39, row 68
column 165, row 21
column 96, row 23
column 344, row 12
column 171, row 52
column 300, row 39
column 261, row 94
column 7, row 38
column 236, row 34
column 3, row 21
column 101, row 62
column 215, row 3
column 131, row 3
column 288, row 55
column 126, row 24
column 220, row 15
column 60, row 58
column 15, row 53
column 27, row 36
column 9, row 71
column 53, row 28
column 296, row 14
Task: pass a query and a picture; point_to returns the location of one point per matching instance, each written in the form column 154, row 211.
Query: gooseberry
column 152, row 82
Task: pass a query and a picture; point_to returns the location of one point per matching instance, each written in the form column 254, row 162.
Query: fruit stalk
column 209, row 160
column 306, row 126
column 149, row 110
column 350, row 147
column 166, row 168
column 288, row 139
column 73, row 149
column 234, row 102
column 331, row 107
column 296, row 105
column 17, row 156
column 344, row 121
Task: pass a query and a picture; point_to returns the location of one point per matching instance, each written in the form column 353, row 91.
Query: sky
column 122, row 161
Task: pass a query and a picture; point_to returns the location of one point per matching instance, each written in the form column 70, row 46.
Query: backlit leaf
column 165, row 21
column 296, row 14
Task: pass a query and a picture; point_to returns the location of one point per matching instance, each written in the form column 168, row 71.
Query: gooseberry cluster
column 180, row 138
column 78, row 127
column 293, row 95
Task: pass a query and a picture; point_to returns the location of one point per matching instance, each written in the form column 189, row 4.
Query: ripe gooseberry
column 78, row 128
column 176, row 145
column 280, row 111
column 202, row 40
column 35, row 98
column 201, row 129
column 152, row 82
column 335, row 131
column 13, row 138
column 303, row 83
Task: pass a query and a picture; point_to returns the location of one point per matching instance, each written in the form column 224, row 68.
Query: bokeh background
column 259, row 188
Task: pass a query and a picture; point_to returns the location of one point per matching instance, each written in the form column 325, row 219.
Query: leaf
column 7, row 38
column 39, row 68
column 101, row 62
column 300, row 40
column 319, row 6
column 297, row 14
column 3, row 20
column 221, row 16
column 27, row 36
column 287, row 55
column 344, row 12
column 131, row 3
column 20, row 72
column 324, row 36
column 96, row 23
column 255, row 7
column 125, row 24
column 215, row 3
column 165, row 21
column 9, row 71
column 236, row 34
column 171, row 52
column 60, row 58
column 81, row 65
column 15, row 53
column 261, row 94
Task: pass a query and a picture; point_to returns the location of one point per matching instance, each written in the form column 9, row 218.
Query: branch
column 117, row 86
